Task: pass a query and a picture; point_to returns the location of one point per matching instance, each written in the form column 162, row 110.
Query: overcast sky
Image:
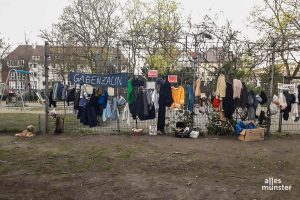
column 18, row 17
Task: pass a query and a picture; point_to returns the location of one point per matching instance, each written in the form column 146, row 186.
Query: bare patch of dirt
column 144, row 167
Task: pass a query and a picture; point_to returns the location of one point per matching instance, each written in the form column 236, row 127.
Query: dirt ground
column 145, row 167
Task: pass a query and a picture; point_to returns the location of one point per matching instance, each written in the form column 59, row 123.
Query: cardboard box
column 252, row 134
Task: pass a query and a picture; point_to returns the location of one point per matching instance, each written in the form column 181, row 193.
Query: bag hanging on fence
column 273, row 109
column 216, row 103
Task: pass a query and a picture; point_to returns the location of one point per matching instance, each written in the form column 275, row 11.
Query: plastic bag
column 273, row 109
column 216, row 103
column 194, row 134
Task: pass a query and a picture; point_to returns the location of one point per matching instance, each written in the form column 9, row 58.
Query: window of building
column 12, row 85
column 21, row 62
column 36, row 58
column 12, row 75
column 44, row 83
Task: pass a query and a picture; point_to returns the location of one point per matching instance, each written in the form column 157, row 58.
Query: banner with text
column 100, row 80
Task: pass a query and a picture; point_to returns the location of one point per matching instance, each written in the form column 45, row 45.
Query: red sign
column 172, row 78
column 152, row 73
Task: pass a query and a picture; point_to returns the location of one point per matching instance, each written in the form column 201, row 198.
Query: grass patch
column 279, row 134
column 125, row 154
column 17, row 122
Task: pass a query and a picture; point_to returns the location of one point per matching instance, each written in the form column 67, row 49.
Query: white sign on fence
column 289, row 87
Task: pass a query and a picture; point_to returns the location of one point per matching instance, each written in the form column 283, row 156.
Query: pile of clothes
column 288, row 104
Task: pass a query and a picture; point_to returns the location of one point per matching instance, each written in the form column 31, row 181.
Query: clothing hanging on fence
column 289, row 100
column 130, row 92
column 252, row 105
column 114, row 109
column 103, row 99
column 57, row 91
column 154, row 98
column 71, row 93
column 221, row 86
column 138, row 82
column 64, row 93
column 190, row 97
column 76, row 100
column 52, row 102
column 228, row 102
column 298, row 94
column 178, row 95
column 111, row 91
column 107, row 111
column 126, row 114
column 198, row 88
column 263, row 97
column 237, row 88
column 242, row 102
column 165, row 100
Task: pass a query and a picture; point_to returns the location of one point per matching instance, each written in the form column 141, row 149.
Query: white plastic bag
column 194, row 134
column 152, row 130
column 273, row 109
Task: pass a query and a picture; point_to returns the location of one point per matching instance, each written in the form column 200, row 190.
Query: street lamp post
column 46, row 86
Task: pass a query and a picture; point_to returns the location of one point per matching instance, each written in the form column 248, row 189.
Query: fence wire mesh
column 14, row 119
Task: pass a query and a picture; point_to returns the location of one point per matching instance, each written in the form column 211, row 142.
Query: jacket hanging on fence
column 198, row 88
column 289, row 100
column 165, row 100
column 298, row 94
column 242, row 102
column 252, row 105
column 64, row 93
column 57, row 91
column 263, row 97
column 114, row 110
column 70, row 96
column 228, row 102
column 52, row 102
column 130, row 92
column 103, row 99
column 221, row 86
column 107, row 112
column 237, row 88
column 76, row 100
column 178, row 95
column 92, row 110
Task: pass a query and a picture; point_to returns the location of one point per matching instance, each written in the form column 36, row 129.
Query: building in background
column 62, row 60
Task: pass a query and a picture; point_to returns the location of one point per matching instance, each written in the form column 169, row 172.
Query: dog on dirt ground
column 29, row 132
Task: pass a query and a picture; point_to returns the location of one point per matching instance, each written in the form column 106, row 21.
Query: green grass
column 60, row 159
column 125, row 154
column 17, row 122
column 279, row 134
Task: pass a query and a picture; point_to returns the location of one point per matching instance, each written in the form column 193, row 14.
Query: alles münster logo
column 275, row 184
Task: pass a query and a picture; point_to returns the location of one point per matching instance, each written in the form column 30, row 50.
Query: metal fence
column 73, row 125
column 14, row 119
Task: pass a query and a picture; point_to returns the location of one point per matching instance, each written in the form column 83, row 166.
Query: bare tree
column 4, row 48
column 94, row 26
column 278, row 20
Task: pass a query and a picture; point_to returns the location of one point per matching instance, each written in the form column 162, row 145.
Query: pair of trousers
column 161, row 120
